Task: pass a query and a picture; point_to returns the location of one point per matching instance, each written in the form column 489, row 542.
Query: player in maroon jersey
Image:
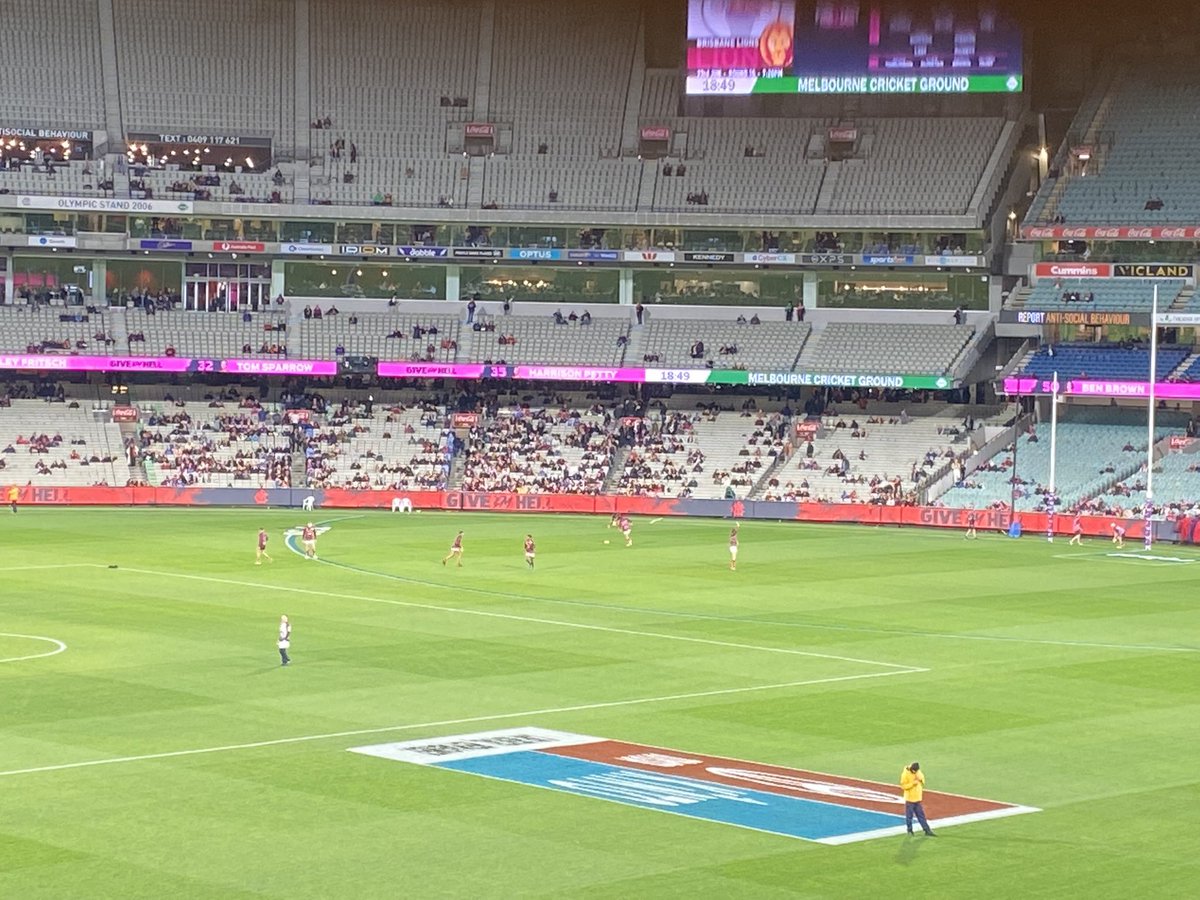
column 308, row 537
column 530, row 547
column 262, row 548
column 626, row 530
column 456, row 550
column 971, row 517
column 1118, row 535
column 1076, row 531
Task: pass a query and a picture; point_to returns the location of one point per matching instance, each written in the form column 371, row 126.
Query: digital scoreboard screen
column 851, row 47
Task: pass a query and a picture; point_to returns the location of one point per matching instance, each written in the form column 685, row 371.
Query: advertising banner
column 655, row 133
column 49, row 362
column 1111, row 232
column 239, row 247
column 431, row 370
column 778, row 259
column 1163, row 390
column 650, row 256
column 479, row 130
column 106, row 205
column 306, row 249
column 51, row 240
column 708, row 257
column 595, row 255
column 534, row 253
column 423, row 252
column 280, row 366
column 1072, row 270
column 364, row 250
column 1071, row 317
column 164, row 245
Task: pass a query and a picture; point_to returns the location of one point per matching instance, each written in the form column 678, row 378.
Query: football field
column 624, row 721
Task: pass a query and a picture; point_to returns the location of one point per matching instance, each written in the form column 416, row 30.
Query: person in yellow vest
column 912, row 783
column 14, row 494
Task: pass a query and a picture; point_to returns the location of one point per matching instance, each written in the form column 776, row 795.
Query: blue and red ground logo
column 828, row 809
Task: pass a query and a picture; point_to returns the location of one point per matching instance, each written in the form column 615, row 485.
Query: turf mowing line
column 59, row 646
column 517, row 618
column 497, row 717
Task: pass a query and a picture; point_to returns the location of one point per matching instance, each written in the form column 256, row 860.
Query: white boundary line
column 532, row 619
column 59, row 647
column 498, row 717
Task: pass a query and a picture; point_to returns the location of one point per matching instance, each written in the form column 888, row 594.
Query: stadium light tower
column 1148, row 509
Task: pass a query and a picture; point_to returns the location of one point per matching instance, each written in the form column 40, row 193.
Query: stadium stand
column 1124, row 294
column 879, row 453
column 1120, row 363
column 887, row 348
column 1176, row 489
column 395, row 447
column 67, row 90
column 34, row 328
column 389, row 335
column 1145, row 170
column 695, row 342
column 530, row 339
column 539, row 450
column 60, row 444
column 210, row 335
column 903, row 167
column 183, row 444
column 1097, row 447
column 231, row 74
column 388, row 106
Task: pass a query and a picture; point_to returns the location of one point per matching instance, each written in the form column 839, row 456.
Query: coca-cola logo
column 1141, row 233
column 656, row 133
column 479, row 129
column 1108, row 232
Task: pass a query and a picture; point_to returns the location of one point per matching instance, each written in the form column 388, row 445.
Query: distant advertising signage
column 423, row 252
column 1112, row 270
column 364, row 250
column 51, row 240
column 1070, row 317
column 827, row 259
column 534, row 253
column 709, row 257
column 953, row 261
column 649, row 256
column 781, row 259
column 478, row 252
column 211, row 140
column 106, row 205
column 479, row 130
column 849, row 47
column 279, row 366
column 49, row 362
column 595, row 255
column 239, row 247
column 151, row 244
column 852, row 380
column 1111, row 232
column 1164, row 390
column 124, row 413
column 1072, row 270
column 306, row 249
column 843, row 135
column 873, row 259
column 430, row 370
column 656, row 133
column 1152, row 270
column 45, row 134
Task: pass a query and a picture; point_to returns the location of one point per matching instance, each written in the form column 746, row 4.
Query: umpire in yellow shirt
column 912, row 783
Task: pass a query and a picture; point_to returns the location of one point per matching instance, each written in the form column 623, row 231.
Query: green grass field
column 165, row 752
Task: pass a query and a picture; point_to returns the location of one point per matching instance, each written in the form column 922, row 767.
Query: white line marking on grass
column 497, row 717
column 59, row 646
column 532, row 619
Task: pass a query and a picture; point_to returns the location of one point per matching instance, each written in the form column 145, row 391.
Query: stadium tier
column 1141, row 167
column 47, row 443
column 878, row 348
column 1119, row 363
column 345, row 119
column 1121, row 294
column 1096, row 449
